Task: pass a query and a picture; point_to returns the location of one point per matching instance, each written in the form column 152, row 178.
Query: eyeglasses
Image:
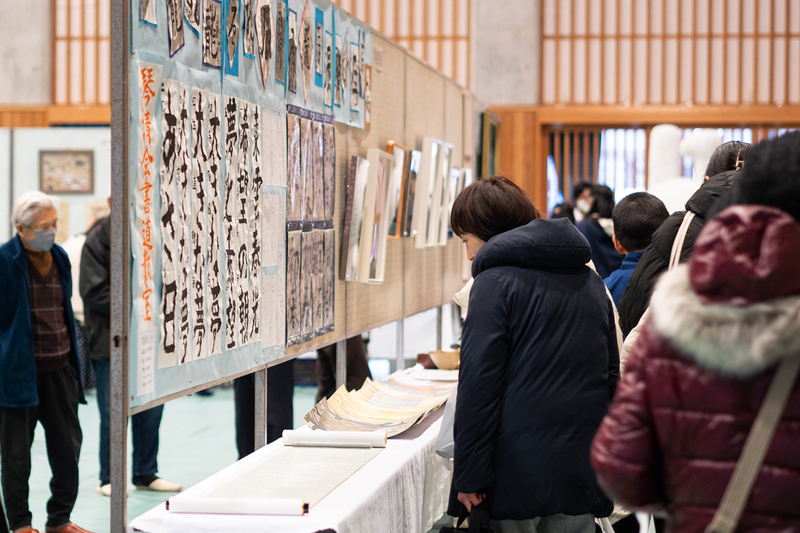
column 44, row 227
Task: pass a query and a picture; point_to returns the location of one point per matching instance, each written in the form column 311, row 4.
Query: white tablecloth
column 404, row 490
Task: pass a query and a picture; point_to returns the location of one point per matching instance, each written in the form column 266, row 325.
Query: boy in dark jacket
column 636, row 217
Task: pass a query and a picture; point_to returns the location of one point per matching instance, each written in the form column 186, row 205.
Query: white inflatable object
column 664, row 163
column 699, row 145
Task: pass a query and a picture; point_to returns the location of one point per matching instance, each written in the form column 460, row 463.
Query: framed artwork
column 452, row 184
column 372, row 260
column 409, row 187
column 353, row 218
column 395, row 199
column 437, row 187
column 487, row 157
column 445, row 194
column 423, row 198
column 66, row 171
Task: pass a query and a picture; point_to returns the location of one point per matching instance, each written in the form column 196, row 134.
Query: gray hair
column 30, row 204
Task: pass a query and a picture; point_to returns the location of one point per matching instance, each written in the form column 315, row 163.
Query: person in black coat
column 598, row 229
column 722, row 169
column 539, row 366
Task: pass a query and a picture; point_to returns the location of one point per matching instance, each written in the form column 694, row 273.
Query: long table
column 404, row 489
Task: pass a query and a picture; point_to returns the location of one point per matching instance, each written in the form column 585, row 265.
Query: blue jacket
column 539, row 366
column 619, row 279
column 17, row 364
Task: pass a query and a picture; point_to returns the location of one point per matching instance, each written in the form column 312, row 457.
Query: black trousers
column 280, row 414
column 58, row 413
column 355, row 361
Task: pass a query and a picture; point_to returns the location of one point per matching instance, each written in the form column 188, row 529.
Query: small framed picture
column 66, row 171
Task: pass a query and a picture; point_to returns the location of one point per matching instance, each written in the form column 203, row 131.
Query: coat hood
column 735, row 308
column 542, row 243
column 704, row 198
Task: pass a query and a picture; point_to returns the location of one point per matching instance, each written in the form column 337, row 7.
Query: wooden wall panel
column 424, row 118
column 519, row 153
column 453, row 133
column 369, row 306
column 23, row 117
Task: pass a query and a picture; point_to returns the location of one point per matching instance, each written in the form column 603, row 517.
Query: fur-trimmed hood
column 731, row 340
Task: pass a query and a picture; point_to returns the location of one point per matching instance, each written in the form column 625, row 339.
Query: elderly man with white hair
column 39, row 364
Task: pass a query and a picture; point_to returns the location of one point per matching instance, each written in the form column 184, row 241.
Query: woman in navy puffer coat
column 539, row 365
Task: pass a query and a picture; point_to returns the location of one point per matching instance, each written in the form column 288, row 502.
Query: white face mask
column 583, row 205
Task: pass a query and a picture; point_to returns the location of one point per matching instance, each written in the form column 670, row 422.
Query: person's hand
column 470, row 499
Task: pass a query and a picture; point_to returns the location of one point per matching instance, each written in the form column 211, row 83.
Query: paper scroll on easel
column 254, row 506
column 335, row 439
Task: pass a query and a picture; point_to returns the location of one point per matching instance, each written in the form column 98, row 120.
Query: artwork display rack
column 409, row 101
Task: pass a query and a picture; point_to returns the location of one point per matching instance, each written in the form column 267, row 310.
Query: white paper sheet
column 145, row 363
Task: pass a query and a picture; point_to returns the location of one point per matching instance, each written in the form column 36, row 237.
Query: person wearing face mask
column 39, row 365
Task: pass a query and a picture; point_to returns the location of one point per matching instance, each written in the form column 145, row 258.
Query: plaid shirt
column 51, row 341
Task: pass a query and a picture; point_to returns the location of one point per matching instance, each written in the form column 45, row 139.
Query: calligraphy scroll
column 307, row 170
column 329, row 278
column 329, row 166
column 149, row 81
column 184, row 231
column 293, row 298
column 318, row 172
column 212, row 34
column 170, row 113
column 317, row 281
column 306, row 284
column 229, row 217
column 243, row 224
column 175, row 26
column 214, row 274
column 200, row 222
column 294, row 190
column 192, row 11
column 255, row 230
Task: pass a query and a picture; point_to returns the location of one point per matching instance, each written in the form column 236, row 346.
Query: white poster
column 143, row 238
column 145, row 363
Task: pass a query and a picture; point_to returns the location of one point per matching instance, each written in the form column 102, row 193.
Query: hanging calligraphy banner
column 149, row 81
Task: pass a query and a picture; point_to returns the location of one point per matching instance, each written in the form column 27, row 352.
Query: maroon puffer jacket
column 699, row 373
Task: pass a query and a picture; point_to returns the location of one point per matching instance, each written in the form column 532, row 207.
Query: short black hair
column 635, row 218
column 564, row 210
column 490, row 207
column 727, row 156
column 602, row 201
column 771, row 175
column 578, row 189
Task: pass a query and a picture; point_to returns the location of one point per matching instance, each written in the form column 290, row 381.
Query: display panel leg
column 120, row 259
column 261, row 408
column 341, row 363
column 400, row 361
column 439, row 312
